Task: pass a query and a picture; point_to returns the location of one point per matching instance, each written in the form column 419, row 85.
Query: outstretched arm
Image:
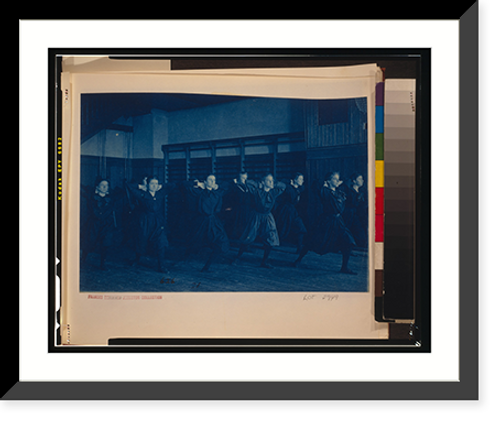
column 193, row 187
column 279, row 187
column 135, row 189
column 252, row 185
column 223, row 187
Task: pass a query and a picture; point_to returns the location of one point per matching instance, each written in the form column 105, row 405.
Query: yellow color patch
column 379, row 174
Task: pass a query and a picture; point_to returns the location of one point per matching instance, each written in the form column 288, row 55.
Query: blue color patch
column 379, row 119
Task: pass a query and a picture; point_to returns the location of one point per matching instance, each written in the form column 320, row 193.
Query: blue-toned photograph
column 217, row 193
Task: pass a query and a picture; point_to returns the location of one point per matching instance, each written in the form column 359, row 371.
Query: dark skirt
column 209, row 231
column 330, row 234
column 99, row 235
column 357, row 222
column 238, row 222
column 151, row 231
column 289, row 222
column 261, row 226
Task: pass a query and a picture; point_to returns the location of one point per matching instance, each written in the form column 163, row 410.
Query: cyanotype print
column 214, row 193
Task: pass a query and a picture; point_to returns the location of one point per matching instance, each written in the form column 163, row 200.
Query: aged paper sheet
column 90, row 318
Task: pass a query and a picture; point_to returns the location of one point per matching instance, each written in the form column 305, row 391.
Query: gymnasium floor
column 315, row 274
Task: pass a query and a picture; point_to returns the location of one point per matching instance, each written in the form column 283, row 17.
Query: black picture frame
column 465, row 389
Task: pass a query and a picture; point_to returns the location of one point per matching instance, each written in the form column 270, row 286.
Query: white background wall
column 245, row 118
column 442, row 36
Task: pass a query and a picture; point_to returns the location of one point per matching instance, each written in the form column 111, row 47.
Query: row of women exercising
column 254, row 211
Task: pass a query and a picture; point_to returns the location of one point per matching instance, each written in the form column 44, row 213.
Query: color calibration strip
column 397, row 209
column 379, row 162
column 379, row 199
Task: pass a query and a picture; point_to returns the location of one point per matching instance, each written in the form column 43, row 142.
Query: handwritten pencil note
column 320, row 297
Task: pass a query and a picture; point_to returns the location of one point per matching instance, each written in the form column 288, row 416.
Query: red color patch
column 379, row 201
column 379, row 228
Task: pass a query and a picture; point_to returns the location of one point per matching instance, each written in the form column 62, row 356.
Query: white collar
column 101, row 194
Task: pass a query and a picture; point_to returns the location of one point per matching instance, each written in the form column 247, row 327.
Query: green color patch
column 379, row 146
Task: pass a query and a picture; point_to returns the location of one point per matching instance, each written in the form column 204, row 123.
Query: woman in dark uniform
column 356, row 209
column 207, row 229
column 150, row 197
column 262, row 224
column 99, row 221
column 330, row 234
column 237, row 203
column 288, row 220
